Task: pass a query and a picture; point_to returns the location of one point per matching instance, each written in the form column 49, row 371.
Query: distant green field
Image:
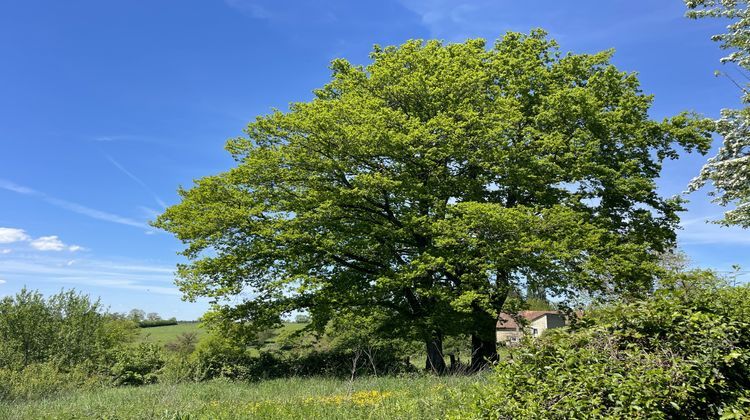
column 169, row 333
column 288, row 328
column 416, row 397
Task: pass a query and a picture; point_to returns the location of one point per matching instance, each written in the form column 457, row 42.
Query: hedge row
column 157, row 323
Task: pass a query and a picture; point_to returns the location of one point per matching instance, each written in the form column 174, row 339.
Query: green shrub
column 138, row 365
column 183, row 344
column 68, row 329
column 41, row 380
column 217, row 356
column 683, row 353
column 57, row 344
column 179, row 368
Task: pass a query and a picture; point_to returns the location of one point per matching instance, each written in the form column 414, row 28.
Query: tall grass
column 412, row 397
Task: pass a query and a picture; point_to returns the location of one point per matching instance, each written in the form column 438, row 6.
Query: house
column 509, row 332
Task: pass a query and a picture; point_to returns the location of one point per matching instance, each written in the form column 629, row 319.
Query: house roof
column 506, row 322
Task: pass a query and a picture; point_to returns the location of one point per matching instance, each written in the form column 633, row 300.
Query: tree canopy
column 434, row 183
column 729, row 170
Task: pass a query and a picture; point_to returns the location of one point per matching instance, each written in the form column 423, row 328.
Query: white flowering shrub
column 729, row 170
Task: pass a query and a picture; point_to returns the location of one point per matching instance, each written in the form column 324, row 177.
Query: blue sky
column 106, row 107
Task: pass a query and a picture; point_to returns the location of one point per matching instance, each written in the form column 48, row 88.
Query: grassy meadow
column 168, row 333
column 411, row 397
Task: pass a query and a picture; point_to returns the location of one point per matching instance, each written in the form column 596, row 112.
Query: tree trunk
column 484, row 335
column 435, row 362
column 483, row 340
column 483, row 352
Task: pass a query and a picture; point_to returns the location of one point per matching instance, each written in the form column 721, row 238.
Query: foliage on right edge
column 683, row 353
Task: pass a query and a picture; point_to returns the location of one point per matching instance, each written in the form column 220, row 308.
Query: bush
column 68, row 329
column 138, row 365
column 184, row 344
column 178, row 369
column 42, row 380
column 683, row 353
column 217, row 356
column 56, row 344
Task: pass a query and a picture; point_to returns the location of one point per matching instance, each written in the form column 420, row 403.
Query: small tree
column 27, row 329
column 136, row 315
column 184, row 344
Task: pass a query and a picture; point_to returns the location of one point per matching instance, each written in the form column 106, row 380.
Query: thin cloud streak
column 704, row 219
column 98, row 273
column 123, row 138
column 39, row 269
column 250, row 7
column 73, row 207
column 457, row 21
column 137, row 180
column 694, row 233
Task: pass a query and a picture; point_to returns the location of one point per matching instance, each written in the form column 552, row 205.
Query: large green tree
column 729, row 170
column 433, row 183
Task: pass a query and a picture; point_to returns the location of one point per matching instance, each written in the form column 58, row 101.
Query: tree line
column 143, row 319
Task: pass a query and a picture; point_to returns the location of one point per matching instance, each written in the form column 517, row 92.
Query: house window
column 534, row 332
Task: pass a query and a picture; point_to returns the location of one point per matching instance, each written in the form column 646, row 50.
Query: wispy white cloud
column 34, row 269
column 303, row 13
column 11, row 235
column 43, row 243
column 73, row 207
column 122, row 138
column 699, row 230
column 251, row 7
column 456, row 21
column 96, row 214
column 53, row 243
column 2, row 281
column 149, row 212
column 47, row 243
column 16, row 188
column 137, row 180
